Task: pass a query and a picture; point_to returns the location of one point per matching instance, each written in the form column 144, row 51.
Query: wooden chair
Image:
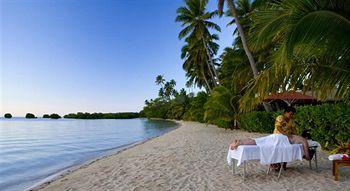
column 336, row 165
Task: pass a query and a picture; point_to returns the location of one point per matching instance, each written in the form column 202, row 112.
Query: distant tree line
column 52, row 116
column 85, row 115
column 122, row 115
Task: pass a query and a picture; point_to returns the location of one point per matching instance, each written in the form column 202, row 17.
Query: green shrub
column 30, row 116
column 8, row 115
column 220, row 108
column 259, row 121
column 328, row 124
column 46, row 116
column 196, row 110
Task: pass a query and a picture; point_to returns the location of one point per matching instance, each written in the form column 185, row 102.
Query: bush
column 220, row 108
column 196, row 109
column 46, row 116
column 259, row 121
column 30, row 116
column 8, row 115
column 327, row 124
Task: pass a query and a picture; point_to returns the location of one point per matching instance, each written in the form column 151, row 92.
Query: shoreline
column 64, row 172
column 192, row 157
column 73, row 168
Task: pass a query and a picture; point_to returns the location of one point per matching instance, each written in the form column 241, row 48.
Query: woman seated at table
column 284, row 132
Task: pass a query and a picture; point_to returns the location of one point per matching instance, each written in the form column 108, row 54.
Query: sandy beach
column 193, row 157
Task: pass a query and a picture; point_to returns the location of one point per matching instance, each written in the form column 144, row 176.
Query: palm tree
column 312, row 47
column 222, row 107
column 196, row 71
column 169, row 89
column 199, row 41
column 160, row 80
column 241, row 34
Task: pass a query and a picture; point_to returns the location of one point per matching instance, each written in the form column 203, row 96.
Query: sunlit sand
column 193, row 157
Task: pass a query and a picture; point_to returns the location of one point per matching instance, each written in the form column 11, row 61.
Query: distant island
column 121, row 115
column 84, row 115
column 8, row 115
column 52, row 116
column 30, row 116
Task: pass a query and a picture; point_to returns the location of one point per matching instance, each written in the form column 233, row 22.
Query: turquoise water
column 33, row 149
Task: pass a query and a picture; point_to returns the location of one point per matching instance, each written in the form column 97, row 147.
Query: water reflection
column 33, row 149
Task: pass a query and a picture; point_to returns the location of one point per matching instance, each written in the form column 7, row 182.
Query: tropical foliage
column 200, row 46
column 327, row 123
column 196, row 109
column 220, row 108
column 311, row 44
column 279, row 45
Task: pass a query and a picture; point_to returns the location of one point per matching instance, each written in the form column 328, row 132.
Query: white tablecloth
column 252, row 152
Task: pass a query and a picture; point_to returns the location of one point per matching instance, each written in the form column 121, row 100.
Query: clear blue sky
column 89, row 55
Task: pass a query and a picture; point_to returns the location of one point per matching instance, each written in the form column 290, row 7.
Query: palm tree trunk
column 206, row 81
column 210, row 72
column 233, row 11
column 214, row 69
column 211, row 64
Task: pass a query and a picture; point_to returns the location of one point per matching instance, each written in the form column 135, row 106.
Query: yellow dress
column 284, row 127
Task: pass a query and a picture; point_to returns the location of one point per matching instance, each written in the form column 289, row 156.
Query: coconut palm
column 195, row 67
column 160, row 80
column 245, row 8
column 233, row 11
column 222, row 107
column 169, row 89
column 311, row 39
column 199, row 41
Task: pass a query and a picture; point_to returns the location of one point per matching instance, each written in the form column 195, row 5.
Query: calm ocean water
column 33, row 149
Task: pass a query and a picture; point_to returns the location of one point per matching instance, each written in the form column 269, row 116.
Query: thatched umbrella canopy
column 291, row 98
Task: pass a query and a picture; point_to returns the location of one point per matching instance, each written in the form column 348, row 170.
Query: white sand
column 193, row 157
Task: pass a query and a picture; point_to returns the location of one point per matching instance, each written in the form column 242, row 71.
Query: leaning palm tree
column 241, row 33
column 312, row 47
column 196, row 22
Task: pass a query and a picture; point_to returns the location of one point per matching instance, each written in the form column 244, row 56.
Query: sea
column 33, row 150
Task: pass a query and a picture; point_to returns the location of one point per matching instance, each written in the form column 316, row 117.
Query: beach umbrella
column 291, row 98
